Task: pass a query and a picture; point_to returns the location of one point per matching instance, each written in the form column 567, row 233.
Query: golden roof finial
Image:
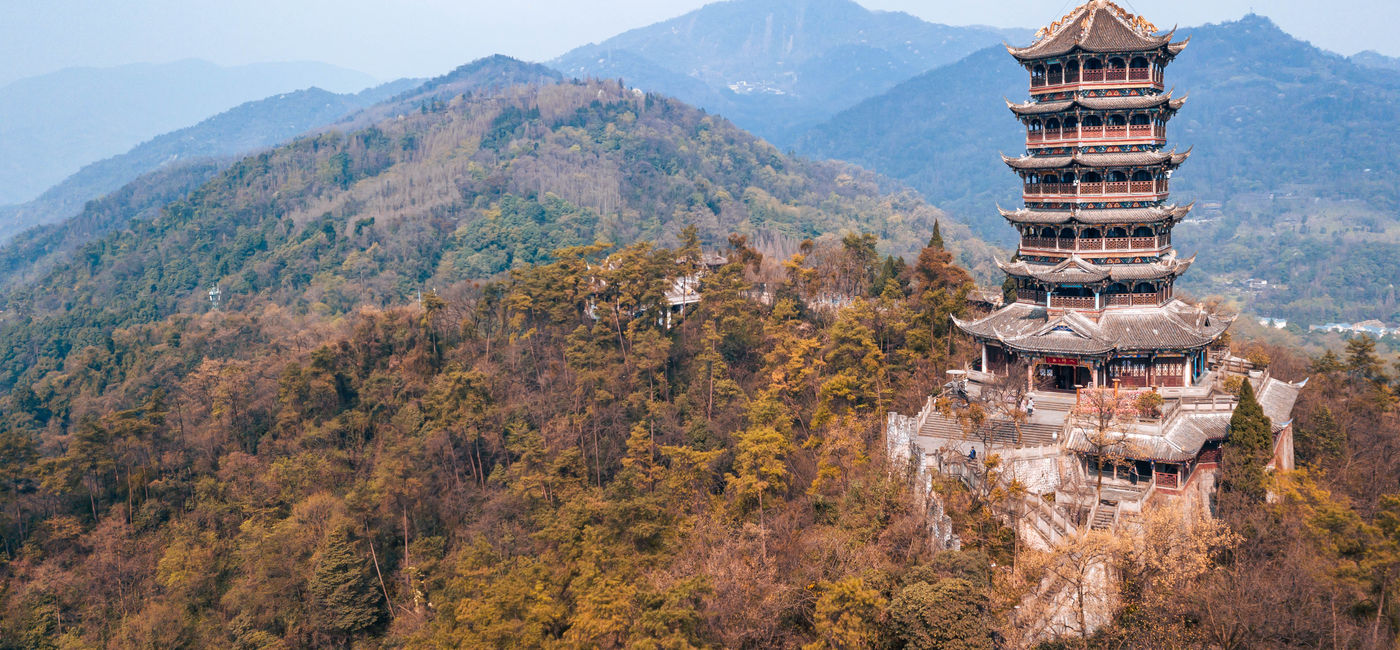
column 1136, row 23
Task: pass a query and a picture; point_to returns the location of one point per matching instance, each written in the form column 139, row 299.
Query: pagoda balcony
column 1072, row 302
column 1155, row 132
column 1103, row 76
column 1102, row 188
column 1036, row 297
column 1134, row 299
column 1097, row 244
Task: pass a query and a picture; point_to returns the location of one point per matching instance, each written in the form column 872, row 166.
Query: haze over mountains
column 239, row 130
column 778, row 66
column 53, row 124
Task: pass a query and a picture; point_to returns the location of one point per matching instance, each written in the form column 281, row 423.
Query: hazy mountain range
column 239, row 130
column 53, row 124
column 778, row 66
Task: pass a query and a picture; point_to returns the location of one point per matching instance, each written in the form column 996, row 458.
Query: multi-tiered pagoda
column 1095, row 266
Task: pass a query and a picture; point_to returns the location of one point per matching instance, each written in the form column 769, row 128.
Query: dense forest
column 542, row 461
column 530, row 462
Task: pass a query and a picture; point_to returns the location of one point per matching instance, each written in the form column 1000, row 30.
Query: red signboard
column 1061, row 361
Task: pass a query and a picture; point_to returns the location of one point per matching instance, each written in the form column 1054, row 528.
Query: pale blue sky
column 394, row 38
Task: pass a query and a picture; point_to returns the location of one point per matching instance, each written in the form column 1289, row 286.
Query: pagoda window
column 1056, row 74
column 1143, row 231
column 1117, row 177
column 1140, row 119
column 1117, row 120
column 1144, row 287
column 1139, row 62
column 1067, row 233
column 1091, row 233
column 1142, row 175
column 1070, row 123
column 1116, row 63
column 1116, row 287
column 1034, row 125
column 1093, row 64
column 1052, row 124
column 1091, row 177
column 1038, row 76
column 1117, row 232
column 1072, row 72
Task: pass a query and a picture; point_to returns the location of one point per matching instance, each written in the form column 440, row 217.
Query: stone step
column 1103, row 517
column 1003, row 433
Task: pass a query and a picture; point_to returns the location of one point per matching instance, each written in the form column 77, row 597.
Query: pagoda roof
column 1125, row 102
column 1077, row 270
column 1098, row 160
column 1097, row 26
column 1098, row 215
column 1029, row 328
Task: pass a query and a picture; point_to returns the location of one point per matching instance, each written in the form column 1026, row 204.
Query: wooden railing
column 1096, row 189
column 1097, row 244
column 1157, row 131
column 1072, row 302
column 1030, row 295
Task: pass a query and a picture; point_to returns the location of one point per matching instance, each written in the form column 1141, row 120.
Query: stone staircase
column 1104, row 515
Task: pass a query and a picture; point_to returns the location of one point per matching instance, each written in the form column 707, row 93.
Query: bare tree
column 1104, row 417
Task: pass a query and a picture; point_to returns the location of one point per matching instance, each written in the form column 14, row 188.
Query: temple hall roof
column 1029, row 328
column 1184, row 435
column 1129, row 102
column 1098, row 215
column 1097, row 26
column 1098, row 160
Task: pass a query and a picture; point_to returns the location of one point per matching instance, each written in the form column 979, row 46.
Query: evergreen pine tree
column 936, row 240
column 1248, row 448
column 345, row 600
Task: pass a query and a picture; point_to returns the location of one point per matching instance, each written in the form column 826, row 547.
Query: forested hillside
column 186, row 159
column 1286, row 166
column 461, row 189
column 367, row 445
column 777, row 67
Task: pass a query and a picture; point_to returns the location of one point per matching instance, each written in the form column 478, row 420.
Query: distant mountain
column 487, row 75
column 461, row 189
column 54, row 124
column 239, row 130
column 1374, row 59
column 1293, row 161
column 778, row 66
